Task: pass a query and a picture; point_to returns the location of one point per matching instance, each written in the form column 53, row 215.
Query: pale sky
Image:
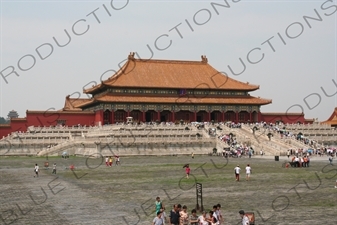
column 299, row 60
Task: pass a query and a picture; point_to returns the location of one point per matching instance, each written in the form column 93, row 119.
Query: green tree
column 3, row 120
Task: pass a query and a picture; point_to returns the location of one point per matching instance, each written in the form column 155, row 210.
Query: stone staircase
column 287, row 142
column 155, row 139
column 127, row 140
column 245, row 136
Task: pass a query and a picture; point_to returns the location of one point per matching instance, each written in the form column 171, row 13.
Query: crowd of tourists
column 235, row 150
column 281, row 130
column 109, row 160
column 233, row 125
column 179, row 215
column 228, row 138
column 311, row 152
column 270, row 129
column 297, row 161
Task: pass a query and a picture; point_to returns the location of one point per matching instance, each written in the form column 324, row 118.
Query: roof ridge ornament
column 204, row 59
column 131, row 56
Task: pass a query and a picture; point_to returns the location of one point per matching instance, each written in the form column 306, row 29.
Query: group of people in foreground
column 179, row 216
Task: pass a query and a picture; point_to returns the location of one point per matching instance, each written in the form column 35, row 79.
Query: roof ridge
column 78, row 98
column 168, row 61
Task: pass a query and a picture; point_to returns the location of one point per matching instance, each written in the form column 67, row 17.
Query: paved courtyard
column 125, row 194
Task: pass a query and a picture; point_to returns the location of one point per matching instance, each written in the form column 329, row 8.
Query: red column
column 112, row 117
column 195, row 115
column 128, row 113
column 96, row 116
column 250, row 117
column 158, row 116
column 143, row 116
column 223, row 116
column 236, row 117
column 173, row 116
column 259, row 117
column 99, row 117
column 209, row 116
column 102, row 117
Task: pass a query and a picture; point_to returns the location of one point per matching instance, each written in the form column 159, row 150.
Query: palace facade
column 169, row 90
column 159, row 91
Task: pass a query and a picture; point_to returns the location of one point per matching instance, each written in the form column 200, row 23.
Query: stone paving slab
column 125, row 194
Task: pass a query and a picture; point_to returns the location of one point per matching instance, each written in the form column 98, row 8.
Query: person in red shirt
column 187, row 170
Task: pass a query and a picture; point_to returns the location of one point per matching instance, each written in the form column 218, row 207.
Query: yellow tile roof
column 71, row 104
column 171, row 74
column 332, row 119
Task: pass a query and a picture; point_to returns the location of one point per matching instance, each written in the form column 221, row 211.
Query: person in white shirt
column 36, row 170
column 107, row 161
column 297, row 162
column 221, row 220
column 163, row 215
column 216, row 215
column 202, row 219
column 157, row 220
column 245, row 220
column 237, row 172
column 248, row 172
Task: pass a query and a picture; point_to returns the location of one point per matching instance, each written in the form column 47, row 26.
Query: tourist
column 330, row 160
column 215, row 215
column 269, row 136
column 36, row 170
column 305, row 161
column 336, row 184
column 288, row 153
column 54, row 169
column 237, row 173
column 110, row 161
column 158, row 204
column 174, row 215
column 202, row 219
column 183, row 216
column 248, row 172
column 297, row 161
column 300, row 161
column 245, row 220
column 107, row 161
column 192, row 155
column 72, row 167
column 118, row 161
column 158, row 220
column 219, row 214
column 211, row 219
column 194, row 217
column 163, row 214
column 187, row 170
column 239, row 154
